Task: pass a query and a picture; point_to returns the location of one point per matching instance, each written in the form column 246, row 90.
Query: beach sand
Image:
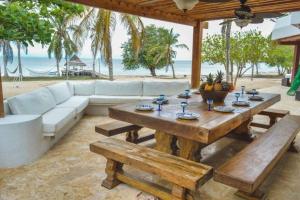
column 14, row 88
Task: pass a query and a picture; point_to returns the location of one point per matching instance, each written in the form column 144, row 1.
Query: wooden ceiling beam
column 135, row 9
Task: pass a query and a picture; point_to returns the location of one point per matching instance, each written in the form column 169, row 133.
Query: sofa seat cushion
column 119, row 88
column 169, row 88
column 60, row 91
column 113, row 100
column 77, row 102
column 37, row 102
column 56, row 119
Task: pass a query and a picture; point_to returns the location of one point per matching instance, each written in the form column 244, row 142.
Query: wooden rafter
column 203, row 11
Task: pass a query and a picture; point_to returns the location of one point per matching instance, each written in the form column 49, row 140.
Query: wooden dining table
column 186, row 138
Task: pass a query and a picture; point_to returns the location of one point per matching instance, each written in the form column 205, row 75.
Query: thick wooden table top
column 211, row 125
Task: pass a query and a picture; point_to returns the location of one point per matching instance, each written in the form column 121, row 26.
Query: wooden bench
column 273, row 114
column 184, row 175
column 118, row 127
column 249, row 168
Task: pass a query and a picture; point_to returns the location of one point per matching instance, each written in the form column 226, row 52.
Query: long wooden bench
column 273, row 114
column 118, row 127
column 185, row 175
column 249, row 168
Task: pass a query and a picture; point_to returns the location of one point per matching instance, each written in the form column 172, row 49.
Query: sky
column 186, row 37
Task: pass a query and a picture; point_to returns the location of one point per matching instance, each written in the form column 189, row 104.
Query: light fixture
column 242, row 22
column 186, row 5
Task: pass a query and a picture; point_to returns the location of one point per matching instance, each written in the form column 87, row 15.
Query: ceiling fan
column 244, row 16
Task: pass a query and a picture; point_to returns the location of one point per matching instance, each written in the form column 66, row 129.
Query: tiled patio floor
column 70, row 171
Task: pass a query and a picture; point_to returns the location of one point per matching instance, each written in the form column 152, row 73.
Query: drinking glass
column 183, row 106
column 243, row 90
column 160, row 103
column 210, row 103
column 237, row 96
column 253, row 92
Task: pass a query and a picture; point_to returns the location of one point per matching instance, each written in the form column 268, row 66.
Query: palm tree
column 168, row 49
column 226, row 32
column 98, row 25
column 61, row 41
column 7, row 55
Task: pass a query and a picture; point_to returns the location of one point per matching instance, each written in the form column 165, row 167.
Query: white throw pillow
column 60, row 91
column 84, row 88
column 119, row 88
column 34, row 103
column 169, row 88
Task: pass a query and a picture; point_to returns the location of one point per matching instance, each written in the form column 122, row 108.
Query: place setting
column 238, row 102
column 186, row 115
column 254, row 96
column 185, row 95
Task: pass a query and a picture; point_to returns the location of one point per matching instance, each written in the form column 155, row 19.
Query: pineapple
column 210, row 82
column 202, row 86
column 218, row 81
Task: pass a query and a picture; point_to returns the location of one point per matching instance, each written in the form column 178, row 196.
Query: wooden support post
column 1, row 99
column 197, row 46
column 296, row 61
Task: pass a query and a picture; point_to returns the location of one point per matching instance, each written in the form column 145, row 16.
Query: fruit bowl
column 216, row 96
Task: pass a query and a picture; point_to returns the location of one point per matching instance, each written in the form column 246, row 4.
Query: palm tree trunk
column 173, row 71
column 111, row 72
column 227, row 39
column 94, row 67
column 19, row 60
column 256, row 69
column 252, row 73
column 152, row 71
column 57, row 67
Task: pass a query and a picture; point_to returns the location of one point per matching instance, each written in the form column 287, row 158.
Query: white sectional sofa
column 35, row 121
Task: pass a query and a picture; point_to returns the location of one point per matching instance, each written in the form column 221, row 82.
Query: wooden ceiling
column 166, row 9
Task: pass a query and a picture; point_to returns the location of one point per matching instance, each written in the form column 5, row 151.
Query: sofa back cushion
column 61, row 92
column 34, row 103
column 84, row 88
column 169, row 88
column 119, row 88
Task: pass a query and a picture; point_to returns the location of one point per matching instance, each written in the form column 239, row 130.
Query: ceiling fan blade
column 269, row 15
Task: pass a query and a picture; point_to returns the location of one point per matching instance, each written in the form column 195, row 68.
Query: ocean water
column 44, row 64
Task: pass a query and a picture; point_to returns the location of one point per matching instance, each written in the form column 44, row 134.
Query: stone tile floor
column 70, row 171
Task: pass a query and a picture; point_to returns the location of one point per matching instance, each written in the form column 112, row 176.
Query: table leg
column 190, row 150
column 243, row 132
column 164, row 142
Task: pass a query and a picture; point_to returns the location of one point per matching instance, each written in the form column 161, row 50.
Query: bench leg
column 293, row 148
column 132, row 136
column 273, row 120
column 179, row 192
column 111, row 169
column 257, row 195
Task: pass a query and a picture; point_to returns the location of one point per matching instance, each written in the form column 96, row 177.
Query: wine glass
column 183, row 106
column 160, row 103
column 243, row 90
column 237, row 96
column 253, row 92
column 210, row 103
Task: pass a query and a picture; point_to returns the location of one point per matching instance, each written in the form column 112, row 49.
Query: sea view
column 182, row 67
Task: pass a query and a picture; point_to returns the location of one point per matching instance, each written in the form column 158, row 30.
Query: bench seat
column 273, row 114
column 249, row 168
column 183, row 174
column 118, row 127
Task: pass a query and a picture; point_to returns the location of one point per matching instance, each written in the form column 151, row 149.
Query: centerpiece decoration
column 215, row 88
